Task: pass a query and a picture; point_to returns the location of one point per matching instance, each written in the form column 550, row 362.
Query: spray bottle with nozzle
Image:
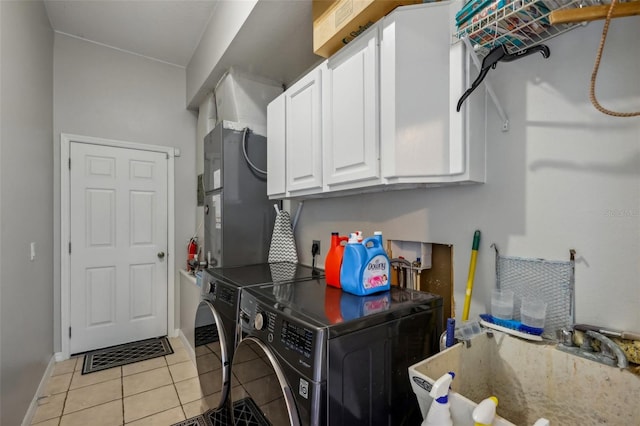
column 439, row 413
column 485, row 412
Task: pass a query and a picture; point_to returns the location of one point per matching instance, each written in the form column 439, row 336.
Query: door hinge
column 69, row 332
column 69, row 247
column 69, row 163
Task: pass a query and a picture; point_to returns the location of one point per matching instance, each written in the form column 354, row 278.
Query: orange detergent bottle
column 333, row 261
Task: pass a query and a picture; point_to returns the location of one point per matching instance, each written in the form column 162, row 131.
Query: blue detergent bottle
column 365, row 266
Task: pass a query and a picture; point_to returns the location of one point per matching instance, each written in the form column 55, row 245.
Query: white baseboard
column 31, row 411
column 187, row 346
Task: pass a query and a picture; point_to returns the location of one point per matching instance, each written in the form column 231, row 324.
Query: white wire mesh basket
column 547, row 280
column 516, row 24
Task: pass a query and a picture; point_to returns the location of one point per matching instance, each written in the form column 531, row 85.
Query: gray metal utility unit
column 238, row 214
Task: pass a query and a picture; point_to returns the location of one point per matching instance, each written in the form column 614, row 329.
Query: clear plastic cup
column 467, row 330
column 502, row 304
column 533, row 312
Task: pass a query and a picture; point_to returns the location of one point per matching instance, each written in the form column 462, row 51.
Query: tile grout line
column 88, row 408
column 149, row 390
column 181, row 404
column 184, row 413
column 122, row 391
column 121, row 377
column 66, row 395
column 173, row 382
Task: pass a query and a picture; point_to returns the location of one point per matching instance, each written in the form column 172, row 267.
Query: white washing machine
column 320, row 356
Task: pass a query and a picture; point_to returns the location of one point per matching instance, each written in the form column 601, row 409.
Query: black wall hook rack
column 496, row 55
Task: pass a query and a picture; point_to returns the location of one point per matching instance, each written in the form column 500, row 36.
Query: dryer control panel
column 225, row 298
column 296, row 338
column 300, row 344
column 208, row 290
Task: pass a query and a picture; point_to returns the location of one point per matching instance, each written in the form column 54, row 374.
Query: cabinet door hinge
column 69, row 163
column 69, row 247
column 69, row 332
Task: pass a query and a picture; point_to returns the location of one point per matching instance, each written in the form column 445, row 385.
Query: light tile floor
column 157, row 392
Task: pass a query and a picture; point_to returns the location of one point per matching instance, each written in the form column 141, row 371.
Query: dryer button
column 259, row 322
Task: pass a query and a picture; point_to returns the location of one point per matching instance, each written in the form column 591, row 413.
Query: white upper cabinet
column 351, row 143
column 276, row 148
column 381, row 113
column 423, row 138
column 303, row 133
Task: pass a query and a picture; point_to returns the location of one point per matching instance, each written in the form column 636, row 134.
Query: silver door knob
column 160, row 254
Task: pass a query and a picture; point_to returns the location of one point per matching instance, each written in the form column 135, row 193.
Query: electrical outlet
column 314, row 242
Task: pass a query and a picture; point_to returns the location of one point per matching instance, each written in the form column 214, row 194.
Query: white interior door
column 118, row 226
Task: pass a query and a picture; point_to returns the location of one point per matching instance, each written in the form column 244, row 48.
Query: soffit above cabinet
column 275, row 41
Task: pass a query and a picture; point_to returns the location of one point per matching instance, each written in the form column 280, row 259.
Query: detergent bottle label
column 376, row 274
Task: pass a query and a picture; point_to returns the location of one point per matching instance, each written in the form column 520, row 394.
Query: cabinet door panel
column 415, row 94
column 276, row 137
column 303, row 133
column 424, row 140
column 351, row 114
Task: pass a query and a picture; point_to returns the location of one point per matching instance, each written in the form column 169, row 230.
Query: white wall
column 565, row 176
column 226, row 20
column 110, row 94
column 190, row 299
column 206, row 122
column 26, row 201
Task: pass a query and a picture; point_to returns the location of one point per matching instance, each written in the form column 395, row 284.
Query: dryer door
column 212, row 355
column 259, row 390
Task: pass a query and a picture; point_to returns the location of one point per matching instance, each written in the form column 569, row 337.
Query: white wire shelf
column 516, row 24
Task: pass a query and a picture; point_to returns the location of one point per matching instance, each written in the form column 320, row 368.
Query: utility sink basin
column 531, row 380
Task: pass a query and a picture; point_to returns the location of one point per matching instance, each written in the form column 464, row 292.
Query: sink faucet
column 403, row 266
column 609, row 353
column 609, row 349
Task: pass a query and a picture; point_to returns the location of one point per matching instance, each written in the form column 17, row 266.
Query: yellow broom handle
column 472, row 273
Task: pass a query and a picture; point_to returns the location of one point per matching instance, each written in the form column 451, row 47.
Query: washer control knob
column 259, row 322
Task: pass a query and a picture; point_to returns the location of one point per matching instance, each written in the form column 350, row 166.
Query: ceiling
column 275, row 42
column 165, row 30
